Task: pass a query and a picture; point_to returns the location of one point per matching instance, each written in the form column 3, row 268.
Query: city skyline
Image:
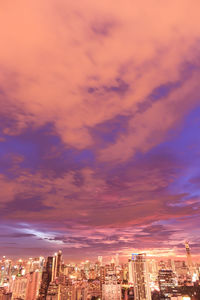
column 139, row 278
column 99, row 128
column 116, row 256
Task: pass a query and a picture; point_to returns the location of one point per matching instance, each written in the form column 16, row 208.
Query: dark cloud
column 17, row 235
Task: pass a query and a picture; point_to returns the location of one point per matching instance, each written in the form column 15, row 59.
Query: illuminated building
column 19, row 287
column 130, row 271
column 53, row 292
column 92, row 274
column 181, row 270
column 111, row 289
column 112, row 264
column 100, row 260
column 140, row 277
column 166, row 282
column 189, row 258
column 88, row 280
column 86, row 269
column 67, row 292
column 102, row 274
column 153, row 270
column 117, row 259
column 34, row 264
column 94, row 289
column 46, row 278
column 56, row 267
column 81, row 293
column 125, row 273
column 4, row 295
column 181, row 298
column 33, row 285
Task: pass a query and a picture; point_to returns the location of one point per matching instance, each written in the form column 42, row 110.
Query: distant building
column 100, row 260
column 189, row 257
column 102, row 274
column 117, row 259
column 130, row 271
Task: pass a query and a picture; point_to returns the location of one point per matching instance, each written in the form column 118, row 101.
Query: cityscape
column 141, row 278
column 100, row 150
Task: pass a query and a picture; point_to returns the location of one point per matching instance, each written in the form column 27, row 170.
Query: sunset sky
column 99, row 127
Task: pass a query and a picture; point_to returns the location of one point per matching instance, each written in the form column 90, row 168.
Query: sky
column 99, row 127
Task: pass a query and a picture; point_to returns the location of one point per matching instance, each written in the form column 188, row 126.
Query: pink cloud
column 59, row 48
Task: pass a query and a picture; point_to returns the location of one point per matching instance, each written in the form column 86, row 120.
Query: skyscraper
column 130, row 271
column 56, row 267
column 117, row 259
column 59, row 263
column 46, row 278
column 100, row 260
column 140, row 275
column 188, row 253
column 33, row 285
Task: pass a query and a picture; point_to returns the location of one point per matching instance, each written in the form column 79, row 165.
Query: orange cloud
column 53, row 52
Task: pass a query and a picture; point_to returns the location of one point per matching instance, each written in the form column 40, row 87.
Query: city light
column 42, row 278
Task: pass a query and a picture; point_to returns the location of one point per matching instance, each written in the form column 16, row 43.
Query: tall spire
column 188, row 253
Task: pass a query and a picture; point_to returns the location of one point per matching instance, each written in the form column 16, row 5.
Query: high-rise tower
column 188, row 253
column 117, row 259
column 57, row 263
column 46, row 278
column 100, row 260
column 140, row 274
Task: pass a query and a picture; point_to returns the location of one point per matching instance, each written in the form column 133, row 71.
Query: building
column 181, row 298
column 111, row 289
column 102, row 274
column 67, row 292
column 56, row 266
column 140, row 273
column 46, row 278
column 166, row 279
column 33, row 285
column 153, row 270
column 4, row 295
column 117, row 259
column 130, row 271
column 19, row 288
column 189, row 258
column 53, row 292
column 94, row 289
column 100, row 260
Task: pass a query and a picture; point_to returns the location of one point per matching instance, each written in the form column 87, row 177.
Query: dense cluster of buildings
column 140, row 278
